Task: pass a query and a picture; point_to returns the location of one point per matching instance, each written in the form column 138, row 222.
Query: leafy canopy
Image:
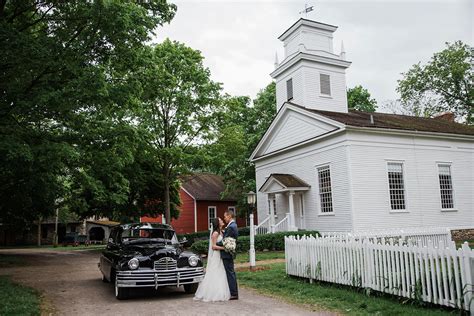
column 177, row 107
column 65, row 135
column 358, row 98
column 445, row 83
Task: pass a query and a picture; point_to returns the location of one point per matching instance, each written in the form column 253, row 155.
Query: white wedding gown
column 214, row 287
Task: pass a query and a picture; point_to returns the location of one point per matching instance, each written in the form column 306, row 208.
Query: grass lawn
column 17, row 300
column 260, row 256
column 316, row 296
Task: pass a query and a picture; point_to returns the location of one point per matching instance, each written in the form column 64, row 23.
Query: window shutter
column 289, row 89
column 325, row 84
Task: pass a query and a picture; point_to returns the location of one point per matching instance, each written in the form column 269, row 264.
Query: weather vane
column 307, row 9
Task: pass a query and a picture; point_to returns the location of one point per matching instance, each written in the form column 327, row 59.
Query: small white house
column 320, row 166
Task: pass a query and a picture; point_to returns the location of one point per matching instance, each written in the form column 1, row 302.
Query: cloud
column 382, row 38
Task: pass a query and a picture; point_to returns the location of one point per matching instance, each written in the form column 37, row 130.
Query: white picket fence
column 421, row 236
column 441, row 275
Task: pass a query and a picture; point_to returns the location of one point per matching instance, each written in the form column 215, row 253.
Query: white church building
column 321, row 166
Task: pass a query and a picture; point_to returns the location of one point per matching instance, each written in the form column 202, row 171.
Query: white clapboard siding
column 293, row 128
column 302, row 163
column 440, row 275
column 420, row 156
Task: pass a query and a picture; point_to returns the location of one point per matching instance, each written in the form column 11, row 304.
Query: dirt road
column 71, row 282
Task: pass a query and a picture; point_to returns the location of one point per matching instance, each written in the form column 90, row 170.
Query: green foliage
column 240, row 124
column 65, row 132
column 272, row 242
column 17, row 300
column 176, row 107
column 445, row 83
column 358, row 98
column 193, row 237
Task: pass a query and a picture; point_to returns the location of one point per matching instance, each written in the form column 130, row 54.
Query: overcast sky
column 382, row 38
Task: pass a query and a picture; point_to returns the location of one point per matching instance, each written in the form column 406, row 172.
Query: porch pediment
column 279, row 182
column 293, row 126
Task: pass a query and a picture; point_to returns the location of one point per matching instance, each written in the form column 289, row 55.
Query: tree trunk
column 39, row 231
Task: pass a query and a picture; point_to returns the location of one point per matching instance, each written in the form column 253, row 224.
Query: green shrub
column 274, row 242
column 204, row 235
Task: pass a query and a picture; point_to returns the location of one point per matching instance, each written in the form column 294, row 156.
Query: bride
column 214, row 287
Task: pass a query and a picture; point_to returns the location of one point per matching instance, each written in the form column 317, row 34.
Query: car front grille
column 165, row 263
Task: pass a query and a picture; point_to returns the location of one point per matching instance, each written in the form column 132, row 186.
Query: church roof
column 287, row 182
column 395, row 121
column 205, row 187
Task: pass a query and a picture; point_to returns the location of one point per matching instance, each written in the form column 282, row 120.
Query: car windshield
column 147, row 235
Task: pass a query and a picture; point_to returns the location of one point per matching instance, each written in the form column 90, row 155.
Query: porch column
column 271, row 198
column 291, row 221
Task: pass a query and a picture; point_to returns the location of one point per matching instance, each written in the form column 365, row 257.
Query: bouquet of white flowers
column 229, row 245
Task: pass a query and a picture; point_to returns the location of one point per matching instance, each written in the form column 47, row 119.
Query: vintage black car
column 148, row 255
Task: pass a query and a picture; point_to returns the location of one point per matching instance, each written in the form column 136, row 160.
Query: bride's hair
column 215, row 225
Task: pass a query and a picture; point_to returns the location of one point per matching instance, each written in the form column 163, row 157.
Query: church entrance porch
column 285, row 198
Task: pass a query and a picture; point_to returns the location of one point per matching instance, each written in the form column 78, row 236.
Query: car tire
column 120, row 292
column 191, row 288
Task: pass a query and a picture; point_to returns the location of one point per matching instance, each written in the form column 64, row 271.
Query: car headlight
column 133, row 263
column 193, row 261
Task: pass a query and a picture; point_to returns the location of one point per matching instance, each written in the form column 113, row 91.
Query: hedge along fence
column 275, row 241
column 441, row 275
column 194, row 237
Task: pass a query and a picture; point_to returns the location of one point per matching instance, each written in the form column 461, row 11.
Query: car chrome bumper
column 157, row 278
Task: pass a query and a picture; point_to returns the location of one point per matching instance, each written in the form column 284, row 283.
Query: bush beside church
column 273, row 242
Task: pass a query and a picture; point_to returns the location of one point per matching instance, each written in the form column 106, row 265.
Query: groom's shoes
column 234, row 298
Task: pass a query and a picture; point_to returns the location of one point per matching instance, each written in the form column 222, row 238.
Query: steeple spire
column 343, row 51
column 276, row 60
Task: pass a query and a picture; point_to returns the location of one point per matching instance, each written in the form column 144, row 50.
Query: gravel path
column 70, row 280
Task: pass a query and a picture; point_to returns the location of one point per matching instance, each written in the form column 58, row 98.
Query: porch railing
column 282, row 226
column 263, row 227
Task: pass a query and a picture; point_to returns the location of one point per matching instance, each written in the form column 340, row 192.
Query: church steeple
column 311, row 74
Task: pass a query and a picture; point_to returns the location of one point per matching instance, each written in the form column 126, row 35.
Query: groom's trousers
column 231, row 278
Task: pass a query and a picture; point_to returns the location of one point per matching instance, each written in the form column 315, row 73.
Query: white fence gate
column 440, row 275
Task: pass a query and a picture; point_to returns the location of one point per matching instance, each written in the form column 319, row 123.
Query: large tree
column 63, row 99
column 358, row 98
column 445, row 83
column 178, row 104
column 241, row 125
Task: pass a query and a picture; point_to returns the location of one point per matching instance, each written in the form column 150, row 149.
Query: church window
column 325, row 84
column 325, row 191
column 445, row 186
column 396, row 185
column 289, row 89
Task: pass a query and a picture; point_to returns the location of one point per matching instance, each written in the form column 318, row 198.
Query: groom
column 227, row 258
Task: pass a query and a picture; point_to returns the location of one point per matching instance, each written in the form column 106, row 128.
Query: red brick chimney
column 445, row 116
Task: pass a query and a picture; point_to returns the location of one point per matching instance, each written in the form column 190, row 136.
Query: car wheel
column 191, row 288
column 120, row 292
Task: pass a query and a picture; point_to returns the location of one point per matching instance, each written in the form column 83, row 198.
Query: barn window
column 231, row 208
column 445, row 186
column 396, row 185
column 325, row 192
column 211, row 214
column 289, row 89
column 325, row 84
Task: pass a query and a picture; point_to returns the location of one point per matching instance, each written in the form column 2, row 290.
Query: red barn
column 200, row 202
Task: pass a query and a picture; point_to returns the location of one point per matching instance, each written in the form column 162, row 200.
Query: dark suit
column 228, row 259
